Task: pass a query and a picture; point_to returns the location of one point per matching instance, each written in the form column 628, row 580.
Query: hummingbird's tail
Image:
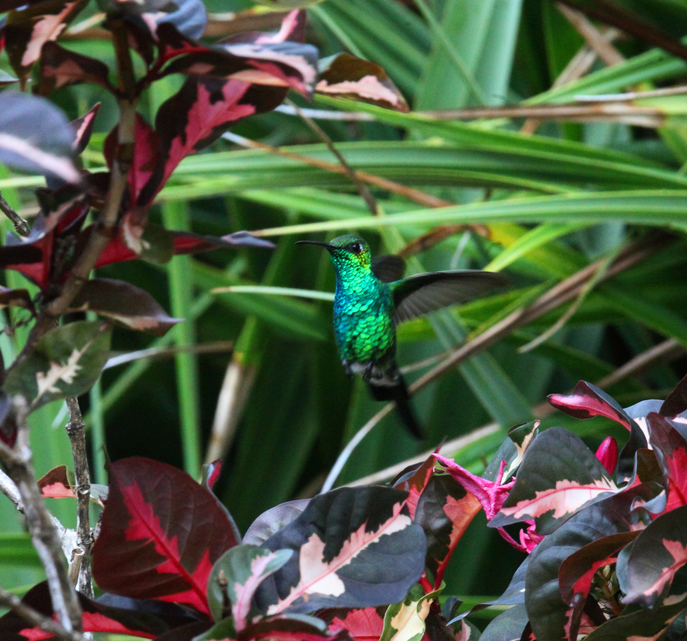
column 392, row 387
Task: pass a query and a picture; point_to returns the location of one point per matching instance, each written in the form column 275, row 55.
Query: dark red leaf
column 676, row 401
column 83, row 128
column 607, row 453
column 56, row 485
column 137, row 618
column 670, row 447
column 362, row 625
column 161, row 533
column 30, row 28
column 414, row 481
column 61, row 67
column 124, row 304
column 346, row 76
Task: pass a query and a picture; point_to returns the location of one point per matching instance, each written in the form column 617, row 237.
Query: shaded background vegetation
column 552, row 195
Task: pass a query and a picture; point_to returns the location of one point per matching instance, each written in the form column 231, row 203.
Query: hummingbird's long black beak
column 314, row 242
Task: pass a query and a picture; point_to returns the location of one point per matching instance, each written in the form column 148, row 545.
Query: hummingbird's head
column 347, row 252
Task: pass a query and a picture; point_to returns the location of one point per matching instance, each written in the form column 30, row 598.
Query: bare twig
column 80, row 564
column 596, row 40
column 166, row 352
column 45, row 537
column 35, row 618
column 20, row 225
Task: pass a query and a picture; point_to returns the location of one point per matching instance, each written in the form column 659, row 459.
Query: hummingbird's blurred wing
column 424, row 293
column 388, row 268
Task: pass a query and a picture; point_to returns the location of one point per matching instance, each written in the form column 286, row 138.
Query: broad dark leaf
column 507, row 626
column 237, row 575
column 558, row 476
column 346, row 76
column 676, row 401
column 161, row 534
column 15, row 298
column 209, row 474
column 646, row 569
column 354, row 547
column 124, row 304
column 670, row 448
column 273, row 520
column 35, row 137
column 61, row 67
column 138, row 618
column 548, row 613
column 66, row 362
column 28, row 29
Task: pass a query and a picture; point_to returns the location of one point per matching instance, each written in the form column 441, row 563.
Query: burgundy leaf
column 670, row 447
column 290, row 628
column 56, row 485
column 414, row 480
column 676, row 401
column 138, row 618
column 30, row 28
column 124, row 304
column 161, row 534
column 273, row 520
column 588, row 400
column 607, row 453
column 83, row 128
column 346, row 76
column 15, row 298
column 577, row 572
column 365, row 624
column 211, row 472
column 61, row 67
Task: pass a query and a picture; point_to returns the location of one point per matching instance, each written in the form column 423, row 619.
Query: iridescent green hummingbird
column 372, row 297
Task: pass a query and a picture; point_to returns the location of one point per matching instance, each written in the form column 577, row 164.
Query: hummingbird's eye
column 356, row 248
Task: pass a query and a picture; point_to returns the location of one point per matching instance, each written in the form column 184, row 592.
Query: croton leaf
column 56, row 484
column 507, row 626
column 83, row 128
column 638, row 624
column 35, row 137
column 676, row 401
column 161, row 534
column 124, row 304
column 577, row 572
column 15, row 298
column 209, row 474
column 364, row 624
column 354, row 547
column 558, row 475
column 647, row 568
column 28, row 29
column 237, row 575
column 670, row 448
column 548, row 613
column 66, row 362
column 138, row 618
column 405, row 621
column 346, row 76
column 61, row 67
column 414, row 480
column 273, row 520
column 444, row 511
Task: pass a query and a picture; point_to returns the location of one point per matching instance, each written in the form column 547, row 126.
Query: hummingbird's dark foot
column 347, row 368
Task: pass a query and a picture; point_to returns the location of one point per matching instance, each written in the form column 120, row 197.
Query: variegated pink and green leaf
column 577, row 572
column 558, row 476
column 161, row 534
column 66, row 362
column 414, row 480
column 236, row 576
column 646, row 570
column 405, row 621
column 587, row 401
column 353, row 547
column 60, row 67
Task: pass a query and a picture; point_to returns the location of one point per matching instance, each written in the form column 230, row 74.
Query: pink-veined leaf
column 60, row 67
column 607, row 453
column 586, row 401
column 346, row 76
column 161, row 534
column 66, row 362
column 577, row 572
column 137, row 618
column 28, row 29
column 647, row 568
column 558, row 476
column 414, row 481
column 353, row 547
column 83, row 128
column 670, row 447
column 238, row 573
column 364, row 624
column 124, row 304
column 56, row 484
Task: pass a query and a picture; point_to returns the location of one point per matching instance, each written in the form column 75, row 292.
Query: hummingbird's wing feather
column 424, row 293
column 388, row 268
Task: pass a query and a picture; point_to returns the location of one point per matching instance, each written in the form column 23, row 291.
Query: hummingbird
column 372, row 297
